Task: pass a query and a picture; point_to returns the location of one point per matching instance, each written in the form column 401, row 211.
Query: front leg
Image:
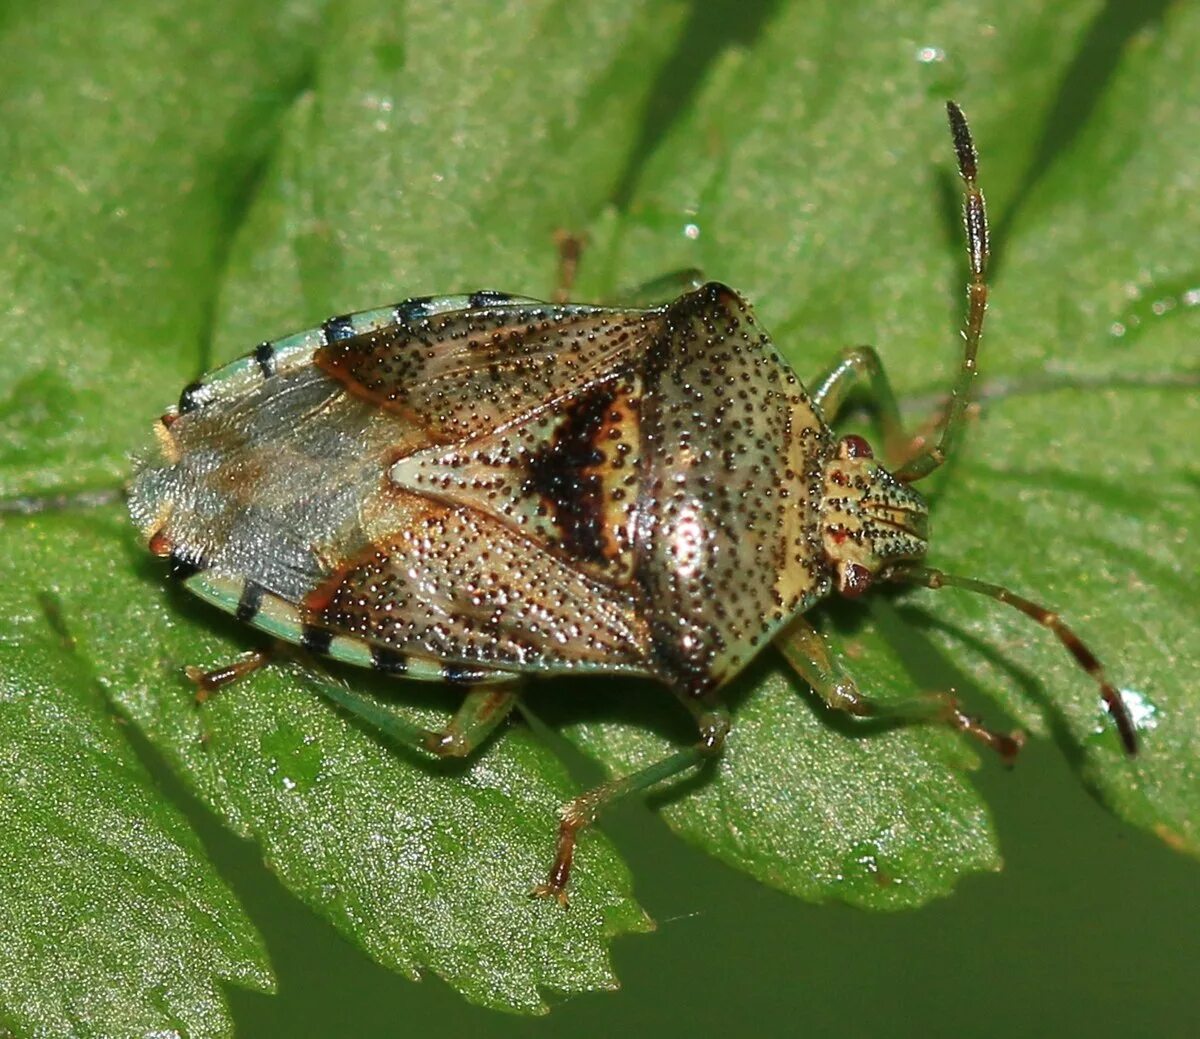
column 856, row 365
column 806, row 650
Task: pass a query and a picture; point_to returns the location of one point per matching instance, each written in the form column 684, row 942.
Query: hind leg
column 581, row 812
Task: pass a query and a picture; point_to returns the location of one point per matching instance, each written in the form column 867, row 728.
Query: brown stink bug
column 480, row 489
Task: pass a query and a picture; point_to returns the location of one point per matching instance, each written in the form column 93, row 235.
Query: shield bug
column 484, row 488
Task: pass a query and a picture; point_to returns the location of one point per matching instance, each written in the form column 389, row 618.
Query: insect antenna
column 928, row 577
column 976, row 225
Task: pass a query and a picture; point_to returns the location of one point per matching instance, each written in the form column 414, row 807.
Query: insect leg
column 582, row 811
column 570, row 248
column 481, row 711
column 209, row 682
column 806, row 650
column 858, row 363
column 657, row 290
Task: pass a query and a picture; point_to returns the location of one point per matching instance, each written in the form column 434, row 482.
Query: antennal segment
column 930, row 578
column 976, row 225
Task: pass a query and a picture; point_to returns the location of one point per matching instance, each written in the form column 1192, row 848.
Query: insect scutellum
column 482, row 488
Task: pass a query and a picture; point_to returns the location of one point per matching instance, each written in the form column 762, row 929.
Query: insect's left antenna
column 1084, row 657
column 976, row 225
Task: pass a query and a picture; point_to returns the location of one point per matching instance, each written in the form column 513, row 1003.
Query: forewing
column 465, row 373
column 448, row 582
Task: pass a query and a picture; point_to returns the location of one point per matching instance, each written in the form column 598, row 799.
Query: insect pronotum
column 479, row 489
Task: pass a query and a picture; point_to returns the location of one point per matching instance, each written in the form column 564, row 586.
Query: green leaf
column 1102, row 487
column 425, row 867
column 236, row 173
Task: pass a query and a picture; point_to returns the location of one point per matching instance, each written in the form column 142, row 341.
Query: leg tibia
column 481, row 711
column 209, row 682
column 479, row 714
column 806, row 651
column 854, row 366
column 582, row 811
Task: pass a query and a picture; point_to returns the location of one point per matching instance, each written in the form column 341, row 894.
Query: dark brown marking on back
column 564, row 473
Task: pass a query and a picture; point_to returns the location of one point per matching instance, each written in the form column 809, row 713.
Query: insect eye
column 160, row 545
column 854, row 446
column 853, row 579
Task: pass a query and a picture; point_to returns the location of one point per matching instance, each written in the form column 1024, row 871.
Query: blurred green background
column 184, row 181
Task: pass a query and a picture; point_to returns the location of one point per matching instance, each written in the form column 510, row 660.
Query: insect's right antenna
column 975, row 222
column 930, row 578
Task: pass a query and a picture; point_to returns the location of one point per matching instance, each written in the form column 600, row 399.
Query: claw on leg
column 208, row 683
column 804, row 648
column 1007, row 745
column 555, row 885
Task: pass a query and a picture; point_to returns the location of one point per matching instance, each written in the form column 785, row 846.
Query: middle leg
column 482, row 710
